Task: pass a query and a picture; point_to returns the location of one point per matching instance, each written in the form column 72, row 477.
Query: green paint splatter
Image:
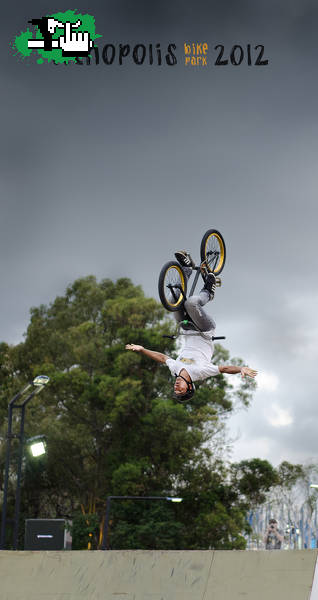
column 20, row 43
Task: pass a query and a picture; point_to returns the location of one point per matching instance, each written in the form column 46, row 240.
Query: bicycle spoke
column 212, row 259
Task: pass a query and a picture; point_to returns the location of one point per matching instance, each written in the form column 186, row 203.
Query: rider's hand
column 249, row 372
column 134, row 347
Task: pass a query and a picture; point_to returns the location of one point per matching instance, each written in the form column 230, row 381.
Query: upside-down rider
column 194, row 361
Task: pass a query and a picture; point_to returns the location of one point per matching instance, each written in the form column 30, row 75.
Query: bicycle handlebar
column 217, row 337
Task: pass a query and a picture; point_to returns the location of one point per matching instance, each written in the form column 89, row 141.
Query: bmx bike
column 172, row 285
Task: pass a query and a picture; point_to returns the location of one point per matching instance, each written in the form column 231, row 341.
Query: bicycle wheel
column 213, row 251
column 172, row 286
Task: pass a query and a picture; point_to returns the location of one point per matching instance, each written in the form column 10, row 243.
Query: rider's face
column 180, row 386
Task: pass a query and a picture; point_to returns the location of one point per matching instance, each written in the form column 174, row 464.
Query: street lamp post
column 104, row 545
column 38, row 384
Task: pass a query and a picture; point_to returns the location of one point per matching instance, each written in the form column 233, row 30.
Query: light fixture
column 41, row 380
column 37, row 445
column 174, row 499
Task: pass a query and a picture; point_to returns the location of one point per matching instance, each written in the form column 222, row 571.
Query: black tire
column 172, row 274
column 213, row 251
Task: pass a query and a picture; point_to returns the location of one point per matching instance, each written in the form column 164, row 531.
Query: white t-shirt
column 195, row 356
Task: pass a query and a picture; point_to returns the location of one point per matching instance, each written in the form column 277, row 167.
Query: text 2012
column 237, row 55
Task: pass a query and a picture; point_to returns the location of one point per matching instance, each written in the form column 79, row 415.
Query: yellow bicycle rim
column 219, row 265
column 180, row 272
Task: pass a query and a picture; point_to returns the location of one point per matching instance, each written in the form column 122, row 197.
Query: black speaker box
column 44, row 534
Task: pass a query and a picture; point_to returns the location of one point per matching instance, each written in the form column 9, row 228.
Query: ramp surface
column 157, row 575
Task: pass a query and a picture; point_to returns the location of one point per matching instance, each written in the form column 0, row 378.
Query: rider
column 194, row 361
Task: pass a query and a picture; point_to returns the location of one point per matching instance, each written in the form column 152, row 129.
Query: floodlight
column 37, row 449
column 41, row 380
column 37, row 445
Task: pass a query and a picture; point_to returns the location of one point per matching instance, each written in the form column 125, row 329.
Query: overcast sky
column 107, row 169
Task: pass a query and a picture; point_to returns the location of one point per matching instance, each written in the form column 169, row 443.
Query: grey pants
column 194, row 307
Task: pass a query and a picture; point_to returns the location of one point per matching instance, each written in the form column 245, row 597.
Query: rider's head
column 183, row 389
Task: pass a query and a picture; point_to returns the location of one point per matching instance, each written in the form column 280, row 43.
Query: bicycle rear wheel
column 213, row 251
column 172, row 286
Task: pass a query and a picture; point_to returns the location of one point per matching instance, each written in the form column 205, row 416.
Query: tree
column 293, row 489
column 253, row 478
column 111, row 425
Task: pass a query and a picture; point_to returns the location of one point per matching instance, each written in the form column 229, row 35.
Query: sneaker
column 184, row 259
column 210, row 284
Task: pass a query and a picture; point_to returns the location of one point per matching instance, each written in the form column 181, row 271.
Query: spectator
column 273, row 538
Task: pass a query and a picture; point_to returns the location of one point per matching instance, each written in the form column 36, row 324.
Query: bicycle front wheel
column 172, row 286
column 213, row 251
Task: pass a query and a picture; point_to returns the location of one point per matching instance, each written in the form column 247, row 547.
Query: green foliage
column 289, row 474
column 253, row 478
column 112, row 427
column 84, row 531
column 151, row 524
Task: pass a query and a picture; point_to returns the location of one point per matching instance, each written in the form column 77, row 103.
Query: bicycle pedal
column 218, row 281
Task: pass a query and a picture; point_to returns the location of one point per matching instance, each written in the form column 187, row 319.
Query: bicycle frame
column 195, row 281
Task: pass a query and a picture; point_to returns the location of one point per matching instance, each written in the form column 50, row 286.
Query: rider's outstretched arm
column 233, row 370
column 157, row 356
